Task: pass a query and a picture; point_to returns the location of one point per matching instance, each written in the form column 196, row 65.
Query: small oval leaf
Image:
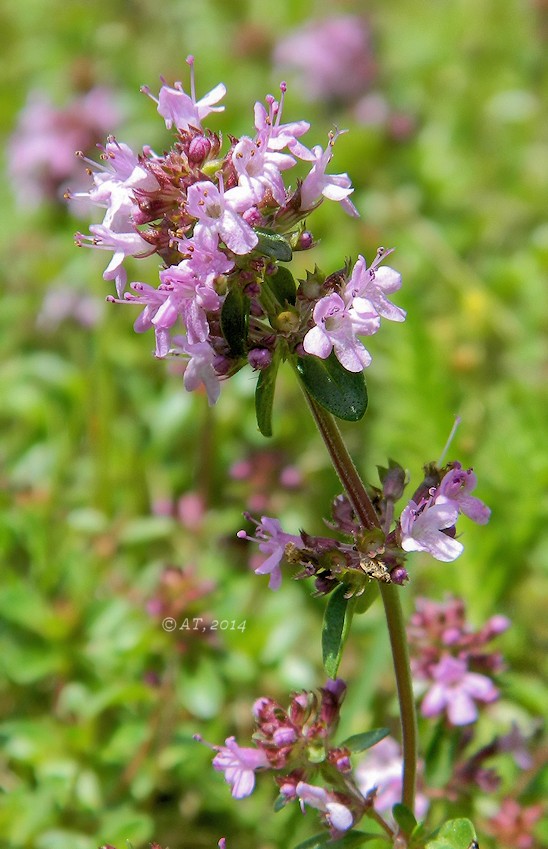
column 339, row 391
column 273, row 245
column 350, row 840
column 453, row 834
column 336, row 624
column 264, row 396
column 405, row 819
column 282, row 285
column 234, row 319
column 361, row 742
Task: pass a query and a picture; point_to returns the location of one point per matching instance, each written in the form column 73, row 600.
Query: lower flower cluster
column 427, row 523
column 296, row 744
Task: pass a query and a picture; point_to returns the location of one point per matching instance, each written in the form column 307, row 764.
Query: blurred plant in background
column 42, row 148
column 99, row 703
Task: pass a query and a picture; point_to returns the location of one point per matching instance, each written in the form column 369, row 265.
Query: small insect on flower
column 474, row 845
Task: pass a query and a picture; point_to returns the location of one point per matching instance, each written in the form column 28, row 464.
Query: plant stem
column 365, row 512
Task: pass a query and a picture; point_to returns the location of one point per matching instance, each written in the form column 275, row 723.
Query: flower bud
column 303, row 242
column 393, row 480
column 259, row 358
column 198, row 149
column 287, row 321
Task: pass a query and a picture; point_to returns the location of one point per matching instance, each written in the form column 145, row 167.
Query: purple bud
column 496, row 625
column 336, row 686
column 305, row 241
column 221, row 364
column 259, row 358
column 284, row 736
column 393, row 480
column 198, row 149
column 399, row 575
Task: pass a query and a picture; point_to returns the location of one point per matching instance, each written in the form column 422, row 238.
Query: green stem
column 367, row 515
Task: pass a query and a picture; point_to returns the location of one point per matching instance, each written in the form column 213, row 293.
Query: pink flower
column 183, row 110
column 368, row 288
column 41, row 161
column 336, row 187
column 336, row 328
column 239, row 765
column 123, row 243
column 200, row 370
column 272, row 541
column 457, row 486
column 514, row 824
column 332, row 57
column 190, row 295
column 259, row 169
column 422, row 529
column 338, row 816
column 456, row 691
column 217, row 214
column 381, row 770
column 114, row 183
column 277, row 135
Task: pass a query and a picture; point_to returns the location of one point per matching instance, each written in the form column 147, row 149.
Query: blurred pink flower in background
column 381, row 770
column 513, row 825
column 41, row 159
column 332, row 58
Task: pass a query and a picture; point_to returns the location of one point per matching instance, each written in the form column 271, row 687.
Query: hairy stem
column 361, row 503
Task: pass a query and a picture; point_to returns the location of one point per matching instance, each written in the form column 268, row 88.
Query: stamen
column 283, row 89
column 190, row 63
column 146, row 90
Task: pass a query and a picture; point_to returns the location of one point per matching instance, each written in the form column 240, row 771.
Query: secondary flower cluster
column 40, row 152
column 220, row 224
column 297, row 744
column 427, row 523
column 450, row 662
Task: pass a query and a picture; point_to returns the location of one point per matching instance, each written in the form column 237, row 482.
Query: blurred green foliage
column 98, row 703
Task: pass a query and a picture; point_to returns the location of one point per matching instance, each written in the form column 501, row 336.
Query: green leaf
column 361, row 742
column 339, row 391
column 350, row 840
column 453, row 834
column 315, row 842
column 280, row 802
column 282, row 285
column 440, row 756
column 273, row 245
column 234, row 318
column 264, row 395
column 405, row 819
column 366, row 599
column 336, row 624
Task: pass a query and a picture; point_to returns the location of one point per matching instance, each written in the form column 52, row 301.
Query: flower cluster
column 297, row 745
column 427, row 523
column 513, row 825
column 220, row 225
column 449, row 660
